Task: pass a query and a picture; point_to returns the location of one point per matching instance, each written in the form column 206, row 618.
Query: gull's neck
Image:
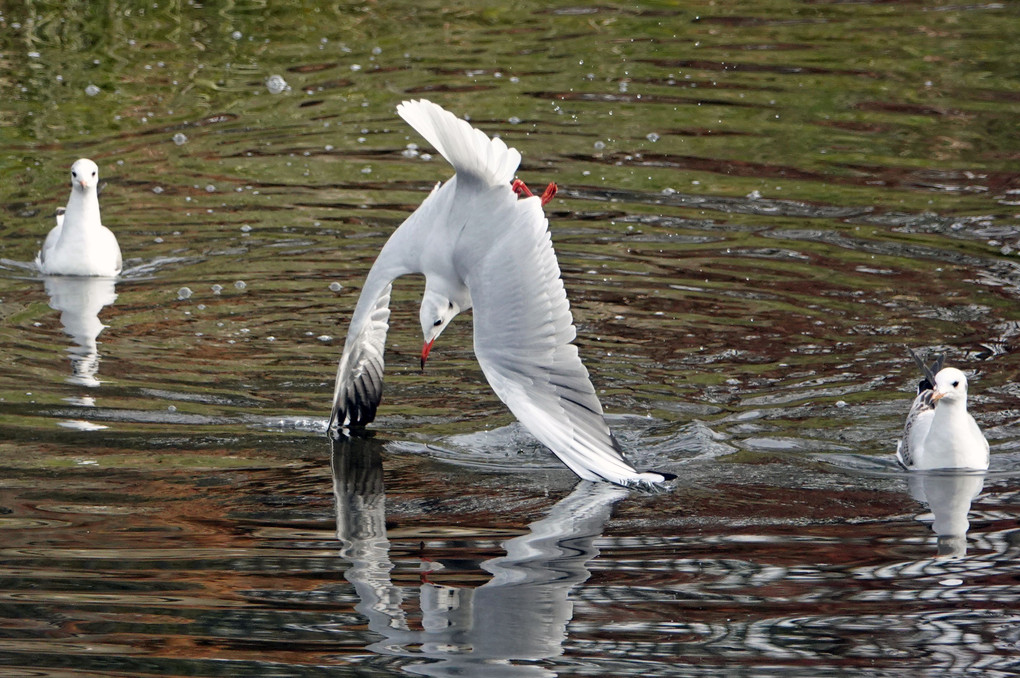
column 82, row 212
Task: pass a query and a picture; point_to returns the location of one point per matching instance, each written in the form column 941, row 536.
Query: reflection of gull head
column 79, row 301
column 520, row 615
column 948, row 494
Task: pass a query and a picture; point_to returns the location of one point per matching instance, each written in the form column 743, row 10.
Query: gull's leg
column 521, row 189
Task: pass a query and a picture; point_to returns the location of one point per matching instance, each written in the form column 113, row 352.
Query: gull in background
column 939, row 432
column 480, row 246
column 79, row 244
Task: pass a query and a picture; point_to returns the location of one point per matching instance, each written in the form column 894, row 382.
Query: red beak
column 425, row 348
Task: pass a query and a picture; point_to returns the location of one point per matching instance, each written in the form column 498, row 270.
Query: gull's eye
column 73, row 173
column 93, row 174
column 955, row 384
column 437, row 323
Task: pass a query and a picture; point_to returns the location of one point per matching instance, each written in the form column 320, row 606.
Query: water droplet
column 210, row 188
column 92, row 90
column 236, row 35
column 754, row 195
column 652, row 136
column 514, row 120
column 276, row 84
column 324, row 338
column 599, row 145
column 335, row 287
column 180, row 139
column 171, row 408
column 216, row 289
column 157, row 189
column 183, row 293
column 246, row 228
column 240, row 284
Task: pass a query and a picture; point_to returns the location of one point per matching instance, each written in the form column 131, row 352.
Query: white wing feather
column 523, row 328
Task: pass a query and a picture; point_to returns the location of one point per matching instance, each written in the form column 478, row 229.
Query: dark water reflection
column 520, row 613
column 761, row 206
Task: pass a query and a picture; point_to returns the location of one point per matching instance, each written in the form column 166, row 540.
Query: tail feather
column 469, row 150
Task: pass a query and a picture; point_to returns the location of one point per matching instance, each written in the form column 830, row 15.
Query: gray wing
column 359, row 376
column 522, row 333
column 916, row 427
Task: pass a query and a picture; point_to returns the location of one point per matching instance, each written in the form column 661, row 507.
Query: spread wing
column 359, row 376
column 523, row 330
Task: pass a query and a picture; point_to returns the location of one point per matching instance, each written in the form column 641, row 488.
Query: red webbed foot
column 521, row 189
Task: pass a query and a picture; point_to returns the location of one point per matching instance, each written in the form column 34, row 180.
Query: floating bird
column 940, row 433
column 481, row 247
column 79, row 244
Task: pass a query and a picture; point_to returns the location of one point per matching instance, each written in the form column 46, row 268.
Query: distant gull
column 481, row 247
column 940, row 433
column 79, row 244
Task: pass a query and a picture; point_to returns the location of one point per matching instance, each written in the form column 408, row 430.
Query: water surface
column 761, row 207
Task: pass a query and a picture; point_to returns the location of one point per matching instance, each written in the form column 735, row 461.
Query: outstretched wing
column 359, row 377
column 523, row 331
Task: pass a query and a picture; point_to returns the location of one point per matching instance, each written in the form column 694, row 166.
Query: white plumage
column 939, row 432
column 79, row 244
column 481, row 247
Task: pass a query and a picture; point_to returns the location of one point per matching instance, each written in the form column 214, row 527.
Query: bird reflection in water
column 79, row 300
column 519, row 615
column 948, row 493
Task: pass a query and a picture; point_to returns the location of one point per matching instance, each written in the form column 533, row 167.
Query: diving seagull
column 480, row 246
column 79, row 244
column 939, row 432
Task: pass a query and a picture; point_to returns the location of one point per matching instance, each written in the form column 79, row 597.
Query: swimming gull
column 939, row 432
column 79, row 244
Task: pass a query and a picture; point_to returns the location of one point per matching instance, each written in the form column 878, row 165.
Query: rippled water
column 761, row 206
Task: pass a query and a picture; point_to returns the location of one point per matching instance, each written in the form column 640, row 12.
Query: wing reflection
column 521, row 613
column 948, row 494
column 79, row 300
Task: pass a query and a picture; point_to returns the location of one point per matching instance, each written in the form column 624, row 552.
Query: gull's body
column 939, row 432
column 481, row 247
column 79, row 244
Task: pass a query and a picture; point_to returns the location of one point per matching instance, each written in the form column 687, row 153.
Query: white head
column 951, row 386
column 437, row 310
column 84, row 174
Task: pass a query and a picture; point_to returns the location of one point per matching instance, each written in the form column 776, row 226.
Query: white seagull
column 940, row 433
column 480, row 246
column 79, row 244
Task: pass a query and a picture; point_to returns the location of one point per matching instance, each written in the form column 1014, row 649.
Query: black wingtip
column 929, row 372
